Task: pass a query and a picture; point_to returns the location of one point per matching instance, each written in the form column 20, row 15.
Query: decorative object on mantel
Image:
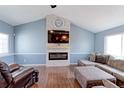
column 59, row 22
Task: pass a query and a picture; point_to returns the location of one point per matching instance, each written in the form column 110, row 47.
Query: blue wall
column 81, row 40
column 8, row 59
column 30, row 58
column 31, row 37
column 99, row 37
column 81, row 43
column 8, row 29
column 30, row 43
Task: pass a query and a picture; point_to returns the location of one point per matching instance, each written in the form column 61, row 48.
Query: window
column 4, row 43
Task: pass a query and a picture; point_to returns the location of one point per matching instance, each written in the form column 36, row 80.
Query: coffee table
column 90, row 76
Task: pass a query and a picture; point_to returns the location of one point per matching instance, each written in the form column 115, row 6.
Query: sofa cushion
column 119, row 75
column 103, row 59
column 107, row 68
column 118, row 64
column 5, row 71
column 98, row 87
column 21, row 73
column 86, row 63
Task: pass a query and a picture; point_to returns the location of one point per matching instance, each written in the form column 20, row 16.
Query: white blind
column 4, row 43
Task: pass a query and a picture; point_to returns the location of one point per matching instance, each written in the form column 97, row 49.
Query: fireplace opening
column 58, row 56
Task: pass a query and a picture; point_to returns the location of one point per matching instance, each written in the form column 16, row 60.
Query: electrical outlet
column 24, row 60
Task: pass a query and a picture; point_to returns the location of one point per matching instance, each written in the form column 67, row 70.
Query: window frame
column 7, row 44
column 122, row 48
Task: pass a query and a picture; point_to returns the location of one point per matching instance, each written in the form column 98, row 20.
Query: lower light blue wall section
column 41, row 58
column 99, row 37
column 75, row 57
column 30, row 58
column 8, row 59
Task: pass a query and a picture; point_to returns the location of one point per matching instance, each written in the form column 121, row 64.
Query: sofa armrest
column 109, row 84
column 3, row 82
column 14, row 67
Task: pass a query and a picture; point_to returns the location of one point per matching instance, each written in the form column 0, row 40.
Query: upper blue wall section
column 8, row 29
column 81, row 40
column 99, row 37
column 32, row 38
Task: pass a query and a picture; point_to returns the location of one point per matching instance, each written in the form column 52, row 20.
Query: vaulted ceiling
column 93, row 18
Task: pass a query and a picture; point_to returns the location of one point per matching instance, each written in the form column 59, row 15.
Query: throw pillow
column 92, row 57
column 103, row 59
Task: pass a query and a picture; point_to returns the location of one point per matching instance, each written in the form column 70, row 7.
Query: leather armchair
column 16, row 76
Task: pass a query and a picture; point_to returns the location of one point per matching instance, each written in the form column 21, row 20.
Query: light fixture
column 51, row 31
column 53, row 6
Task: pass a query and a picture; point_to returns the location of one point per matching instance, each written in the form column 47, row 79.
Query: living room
column 51, row 46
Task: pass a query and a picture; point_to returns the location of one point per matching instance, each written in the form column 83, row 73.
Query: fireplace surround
column 58, row 45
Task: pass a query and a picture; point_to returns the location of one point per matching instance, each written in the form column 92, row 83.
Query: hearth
column 58, row 56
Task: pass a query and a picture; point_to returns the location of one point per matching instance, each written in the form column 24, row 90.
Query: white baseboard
column 73, row 63
column 33, row 64
column 42, row 64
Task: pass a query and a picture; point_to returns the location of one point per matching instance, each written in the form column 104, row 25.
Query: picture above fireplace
column 58, row 36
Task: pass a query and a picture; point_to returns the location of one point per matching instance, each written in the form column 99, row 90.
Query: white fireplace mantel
column 50, row 25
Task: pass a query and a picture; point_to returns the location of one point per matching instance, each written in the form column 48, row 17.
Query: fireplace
column 58, row 56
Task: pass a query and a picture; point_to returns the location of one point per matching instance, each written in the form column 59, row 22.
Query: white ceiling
column 93, row 18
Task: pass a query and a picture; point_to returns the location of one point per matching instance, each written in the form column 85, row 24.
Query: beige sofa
column 114, row 67
column 107, row 84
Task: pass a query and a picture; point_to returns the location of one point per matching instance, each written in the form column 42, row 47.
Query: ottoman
column 90, row 76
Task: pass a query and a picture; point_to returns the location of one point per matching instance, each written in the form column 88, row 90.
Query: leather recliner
column 16, row 76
